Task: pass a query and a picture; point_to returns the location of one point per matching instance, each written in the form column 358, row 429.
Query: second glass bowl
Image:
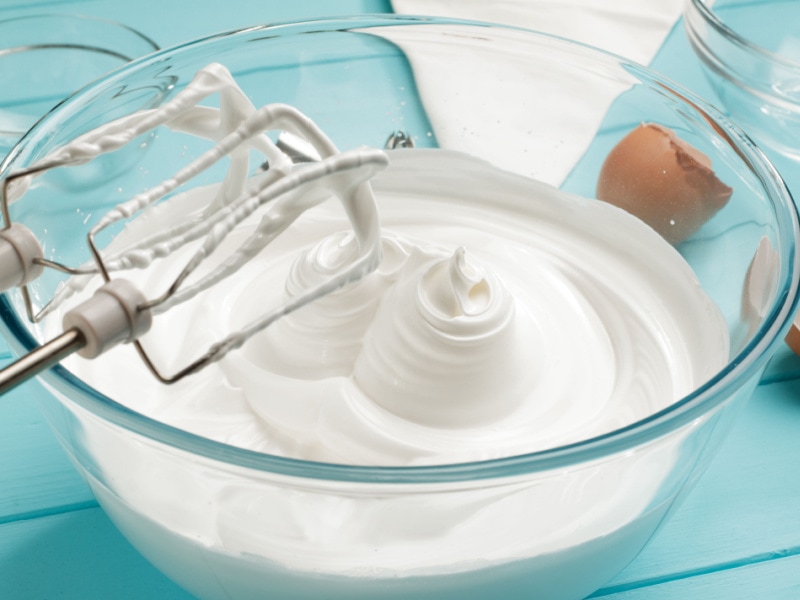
column 751, row 55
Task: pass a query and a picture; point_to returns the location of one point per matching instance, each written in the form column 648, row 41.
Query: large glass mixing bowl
column 226, row 522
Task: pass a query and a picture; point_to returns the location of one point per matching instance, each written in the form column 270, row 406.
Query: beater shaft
column 41, row 358
column 109, row 317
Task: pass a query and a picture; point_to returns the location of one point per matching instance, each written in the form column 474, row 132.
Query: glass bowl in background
column 225, row 522
column 45, row 58
column 751, row 55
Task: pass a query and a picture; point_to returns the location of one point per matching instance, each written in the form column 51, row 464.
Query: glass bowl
column 751, row 56
column 228, row 522
column 45, row 58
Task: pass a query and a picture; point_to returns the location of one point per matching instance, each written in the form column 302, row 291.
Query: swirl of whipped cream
column 442, row 344
column 324, row 340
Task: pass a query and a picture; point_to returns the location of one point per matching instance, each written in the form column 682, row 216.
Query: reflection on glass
column 45, row 58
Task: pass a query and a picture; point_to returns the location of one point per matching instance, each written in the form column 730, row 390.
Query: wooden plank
column 776, row 579
column 784, row 365
column 85, row 557
column 747, row 502
column 76, row 556
column 168, row 23
column 36, row 477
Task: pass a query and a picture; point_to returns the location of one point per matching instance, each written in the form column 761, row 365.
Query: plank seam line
column 33, row 5
column 779, row 378
column 48, row 512
column 707, row 570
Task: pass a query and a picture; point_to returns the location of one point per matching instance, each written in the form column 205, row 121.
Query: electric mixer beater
column 119, row 311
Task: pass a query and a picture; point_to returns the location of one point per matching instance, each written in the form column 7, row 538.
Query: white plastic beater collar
column 19, row 253
column 110, row 317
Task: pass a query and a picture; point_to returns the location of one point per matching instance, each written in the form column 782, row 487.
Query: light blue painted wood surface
column 745, row 508
column 736, row 536
column 36, row 478
column 774, row 579
column 76, row 555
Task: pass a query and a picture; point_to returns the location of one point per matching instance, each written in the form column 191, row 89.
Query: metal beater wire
column 289, row 189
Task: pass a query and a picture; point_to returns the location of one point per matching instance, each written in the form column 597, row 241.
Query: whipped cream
column 506, row 317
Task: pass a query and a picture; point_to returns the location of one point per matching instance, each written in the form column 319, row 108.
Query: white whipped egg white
column 506, row 317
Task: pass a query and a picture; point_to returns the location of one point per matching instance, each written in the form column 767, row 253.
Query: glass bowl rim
column 702, row 8
column 746, row 364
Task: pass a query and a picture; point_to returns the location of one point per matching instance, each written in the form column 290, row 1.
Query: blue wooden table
column 736, row 536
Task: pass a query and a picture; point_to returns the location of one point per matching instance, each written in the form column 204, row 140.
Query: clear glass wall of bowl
column 225, row 530
column 228, row 523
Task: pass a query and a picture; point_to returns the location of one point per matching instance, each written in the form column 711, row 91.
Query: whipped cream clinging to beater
column 506, row 317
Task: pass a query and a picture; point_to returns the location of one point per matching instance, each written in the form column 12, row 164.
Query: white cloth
column 634, row 29
column 490, row 109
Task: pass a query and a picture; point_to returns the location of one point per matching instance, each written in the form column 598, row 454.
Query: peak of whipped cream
column 445, row 339
column 455, row 288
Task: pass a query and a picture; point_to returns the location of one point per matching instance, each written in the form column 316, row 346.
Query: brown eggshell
column 667, row 183
column 793, row 337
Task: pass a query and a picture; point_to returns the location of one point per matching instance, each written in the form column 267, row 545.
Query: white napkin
column 632, row 28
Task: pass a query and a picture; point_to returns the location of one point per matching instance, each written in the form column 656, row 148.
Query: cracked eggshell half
column 667, row 183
